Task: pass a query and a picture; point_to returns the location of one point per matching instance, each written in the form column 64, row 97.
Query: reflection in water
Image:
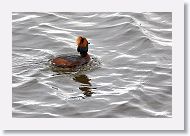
column 85, row 87
column 131, row 64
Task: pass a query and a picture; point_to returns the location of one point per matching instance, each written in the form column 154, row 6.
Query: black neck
column 84, row 54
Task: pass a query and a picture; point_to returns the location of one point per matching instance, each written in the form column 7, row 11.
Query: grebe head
column 82, row 44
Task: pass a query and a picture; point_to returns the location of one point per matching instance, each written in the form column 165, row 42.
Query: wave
column 129, row 75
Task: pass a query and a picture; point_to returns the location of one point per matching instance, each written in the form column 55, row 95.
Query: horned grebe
column 71, row 61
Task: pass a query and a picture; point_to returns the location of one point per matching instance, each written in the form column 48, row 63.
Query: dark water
column 129, row 75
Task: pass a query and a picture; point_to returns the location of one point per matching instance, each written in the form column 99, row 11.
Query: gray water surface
column 129, row 75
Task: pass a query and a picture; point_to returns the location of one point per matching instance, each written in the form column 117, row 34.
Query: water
column 129, row 75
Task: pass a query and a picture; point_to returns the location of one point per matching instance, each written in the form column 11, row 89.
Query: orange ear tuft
column 78, row 40
column 85, row 42
column 81, row 41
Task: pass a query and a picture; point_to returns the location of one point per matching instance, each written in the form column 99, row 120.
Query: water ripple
column 25, row 18
column 129, row 75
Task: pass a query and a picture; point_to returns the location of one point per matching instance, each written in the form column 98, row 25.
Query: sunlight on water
column 129, row 73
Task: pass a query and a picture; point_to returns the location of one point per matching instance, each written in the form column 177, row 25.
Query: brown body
column 67, row 63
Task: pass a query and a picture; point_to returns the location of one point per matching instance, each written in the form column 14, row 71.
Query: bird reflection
column 86, row 86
